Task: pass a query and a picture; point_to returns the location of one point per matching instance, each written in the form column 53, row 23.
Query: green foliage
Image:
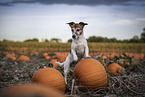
column 32, row 40
column 143, row 36
column 70, row 40
column 55, row 40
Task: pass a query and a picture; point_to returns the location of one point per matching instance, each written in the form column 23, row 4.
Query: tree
column 113, row 40
column 95, row 39
column 32, row 40
column 135, row 39
column 46, row 40
column 143, row 36
column 55, row 40
column 70, row 40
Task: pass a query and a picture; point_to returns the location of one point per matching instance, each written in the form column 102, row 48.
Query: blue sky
column 22, row 19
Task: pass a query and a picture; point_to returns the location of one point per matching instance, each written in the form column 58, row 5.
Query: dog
column 79, row 47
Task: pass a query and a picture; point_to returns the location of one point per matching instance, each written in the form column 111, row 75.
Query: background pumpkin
column 90, row 73
column 13, row 59
column 47, row 57
column 53, row 63
column 23, row 58
column 114, row 68
column 49, row 77
column 61, row 58
column 45, row 54
column 30, row 90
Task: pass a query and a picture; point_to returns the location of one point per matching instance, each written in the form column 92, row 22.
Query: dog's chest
column 80, row 49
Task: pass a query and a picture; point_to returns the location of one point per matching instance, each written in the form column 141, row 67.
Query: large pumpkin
column 23, row 58
column 49, row 77
column 90, row 73
column 114, row 68
column 30, row 90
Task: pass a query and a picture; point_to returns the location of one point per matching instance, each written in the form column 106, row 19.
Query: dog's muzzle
column 74, row 36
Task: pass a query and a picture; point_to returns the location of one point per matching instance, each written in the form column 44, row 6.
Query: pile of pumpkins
column 13, row 57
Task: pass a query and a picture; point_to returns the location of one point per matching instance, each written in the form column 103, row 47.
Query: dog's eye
column 72, row 30
column 78, row 29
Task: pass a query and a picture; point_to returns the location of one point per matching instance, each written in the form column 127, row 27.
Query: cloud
column 76, row 2
column 124, row 22
column 141, row 19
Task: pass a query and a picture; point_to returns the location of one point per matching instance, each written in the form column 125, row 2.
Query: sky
column 46, row 19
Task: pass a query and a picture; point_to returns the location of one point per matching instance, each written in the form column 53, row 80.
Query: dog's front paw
column 75, row 58
column 88, row 56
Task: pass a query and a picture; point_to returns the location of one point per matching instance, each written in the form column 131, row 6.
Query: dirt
column 131, row 82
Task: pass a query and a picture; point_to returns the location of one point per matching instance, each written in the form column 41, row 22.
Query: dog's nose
column 73, row 36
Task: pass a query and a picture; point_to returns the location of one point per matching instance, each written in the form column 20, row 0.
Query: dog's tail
column 59, row 64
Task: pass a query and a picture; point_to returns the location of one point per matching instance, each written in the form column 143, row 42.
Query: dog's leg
column 86, row 52
column 74, row 55
column 67, row 63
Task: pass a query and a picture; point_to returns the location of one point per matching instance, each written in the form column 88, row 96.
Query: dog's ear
column 82, row 24
column 71, row 24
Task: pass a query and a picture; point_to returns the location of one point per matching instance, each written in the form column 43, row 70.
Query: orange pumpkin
column 30, row 90
column 104, row 57
column 47, row 57
column 36, row 53
column 49, row 77
column 141, row 56
column 23, row 58
column 53, row 62
column 45, row 54
column 114, row 68
column 9, row 55
column 31, row 54
column 136, row 57
column 103, row 63
column 90, row 73
column 111, row 57
column 61, row 58
column 13, row 59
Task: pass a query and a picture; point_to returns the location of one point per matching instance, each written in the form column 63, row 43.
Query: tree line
column 135, row 39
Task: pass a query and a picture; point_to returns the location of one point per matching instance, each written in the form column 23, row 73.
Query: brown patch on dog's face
column 77, row 29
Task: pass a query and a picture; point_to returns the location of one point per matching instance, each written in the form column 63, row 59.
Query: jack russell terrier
column 79, row 47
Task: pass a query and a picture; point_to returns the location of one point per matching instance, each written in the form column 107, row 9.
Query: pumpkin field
column 113, row 69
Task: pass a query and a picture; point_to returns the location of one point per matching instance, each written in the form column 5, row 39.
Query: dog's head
column 77, row 29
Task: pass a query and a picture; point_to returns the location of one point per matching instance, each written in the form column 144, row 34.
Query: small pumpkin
column 45, row 54
column 49, row 77
column 13, row 59
column 90, row 73
column 61, row 58
column 23, row 58
column 36, row 53
column 47, row 57
column 104, row 57
column 111, row 57
column 114, row 68
column 9, row 55
column 136, row 57
column 141, row 56
column 31, row 54
column 30, row 90
column 53, row 63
